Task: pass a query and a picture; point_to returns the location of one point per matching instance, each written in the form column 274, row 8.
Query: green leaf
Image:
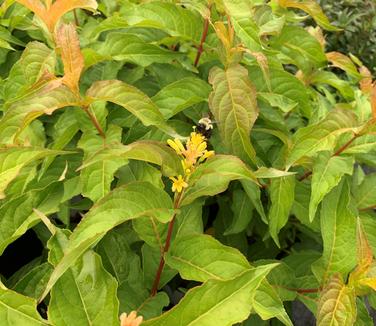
column 277, row 100
column 213, row 177
column 365, row 194
column 282, row 191
column 17, row 214
column 300, row 47
column 86, row 293
column 329, row 78
column 327, row 171
column 312, row 8
column 36, row 60
column 13, row 159
column 362, row 144
column 44, row 100
column 246, row 29
column 129, row 97
column 96, row 178
column 267, row 304
column 242, row 208
column 180, row 95
column 201, row 257
column 233, row 103
column 32, row 283
column 282, row 83
column 125, row 203
column 131, row 48
column 337, row 304
column 266, row 173
column 213, row 303
column 171, row 18
column 338, row 230
column 143, row 150
column 321, row 136
column 254, row 193
column 16, row 309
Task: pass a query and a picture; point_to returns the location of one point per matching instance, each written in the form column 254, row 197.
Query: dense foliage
column 357, row 18
column 141, row 215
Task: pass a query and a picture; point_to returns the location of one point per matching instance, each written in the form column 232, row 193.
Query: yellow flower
column 131, row 319
column 196, row 140
column 176, row 145
column 206, row 155
column 178, row 183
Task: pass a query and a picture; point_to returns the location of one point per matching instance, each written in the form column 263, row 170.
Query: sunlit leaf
column 131, row 48
column 307, row 141
column 180, row 95
column 336, row 304
column 312, row 8
column 282, row 192
column 233, row 103
column 131, row 201
column 45, row 100
column 13, row 159
column 170, row 17
column 73, row 60
column 148, row 151
column 127, row 96
column 213, row 177
column 91, row 298
column 327, row 173
column 214, row 301
column 16, row 309
column 338, row 230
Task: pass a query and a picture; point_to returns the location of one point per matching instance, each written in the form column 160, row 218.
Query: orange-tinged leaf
column 364, row 257
column 373, row 100
column 312, row 8
column 364, row 251
column 337, row 304
column 50, row 14
column 343, row 62
column 366, row 81
column 61, row 7
column 71, row 55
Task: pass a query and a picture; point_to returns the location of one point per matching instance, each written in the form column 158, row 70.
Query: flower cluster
column 131, row 319
column 194, row 152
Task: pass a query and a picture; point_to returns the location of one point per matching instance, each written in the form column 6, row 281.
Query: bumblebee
column 205, row 127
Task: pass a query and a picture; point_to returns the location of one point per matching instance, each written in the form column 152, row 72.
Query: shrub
column 144, row 217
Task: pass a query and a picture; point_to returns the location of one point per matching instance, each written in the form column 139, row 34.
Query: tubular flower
column 194, row 152
column 176, row 145
column 178, row 183
column 131, row 319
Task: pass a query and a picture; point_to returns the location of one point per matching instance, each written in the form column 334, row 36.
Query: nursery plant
column 183, row 163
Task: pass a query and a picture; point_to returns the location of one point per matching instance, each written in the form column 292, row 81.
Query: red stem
column 76, row 18
column 158, row 275
column 203, row 38
column 94, row 121
column 301, row 290
column 367, row 208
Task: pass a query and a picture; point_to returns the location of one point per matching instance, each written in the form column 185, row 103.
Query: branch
column 166, row 246
column 94, row 121
column 203, row 38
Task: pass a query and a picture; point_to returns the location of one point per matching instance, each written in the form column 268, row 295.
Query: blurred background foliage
column 357, row 18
